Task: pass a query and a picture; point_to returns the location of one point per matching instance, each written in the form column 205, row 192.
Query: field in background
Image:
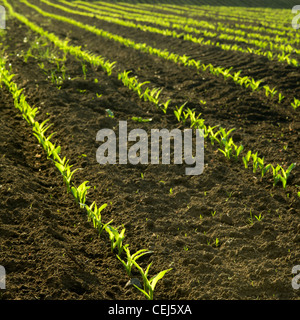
column 232, row 232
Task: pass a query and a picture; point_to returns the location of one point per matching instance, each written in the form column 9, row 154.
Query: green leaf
column 159, row 276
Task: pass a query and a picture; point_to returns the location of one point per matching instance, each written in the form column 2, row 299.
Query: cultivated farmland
column 72, row 228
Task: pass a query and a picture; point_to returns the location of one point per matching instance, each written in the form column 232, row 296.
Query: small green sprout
column 149, row 284
column 295, row 104
column 130, row 258
column 140, row 119
column 80, row 193
column 94, row 215
column 116, row 238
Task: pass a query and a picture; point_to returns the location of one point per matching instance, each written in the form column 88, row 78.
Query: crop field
column 72, row 227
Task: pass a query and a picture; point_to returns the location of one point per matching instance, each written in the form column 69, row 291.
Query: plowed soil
column 51, row 251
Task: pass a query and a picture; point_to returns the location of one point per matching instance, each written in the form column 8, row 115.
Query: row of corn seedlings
column 260, row 40
column 245, row 81
column 79, row 193
column 53, row 153
column 264, row 26
column 230, row 149
column 281, row 57
column 140, row 9
column 39, row 50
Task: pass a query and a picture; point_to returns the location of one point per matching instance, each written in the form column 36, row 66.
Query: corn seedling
column 116, row 238
column 259, row 217
column 275, row 170
column 284, row 177
column 164, row 106
column 28, row 113
column 152, row 95
column 238, row 150
column 80, row 193
column 236, row 76
column 250, row 220
column 269, row 91
column 132, row 257
column 149, row 284
column 260, row 163
column 295, row 104
column 224, row 136
column 212, row 135
column 178, row 112
column 280, row 97
column 227, row 148
column 226, row 73
column 195, row 121
column 265, row 169
column 39, row 130
column 54, row 152
column 253, row 84
column 66, row 172
column 255, row 161
column 246, row 159
column 94, row 214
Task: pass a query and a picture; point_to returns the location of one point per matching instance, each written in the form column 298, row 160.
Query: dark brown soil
column 51, row 251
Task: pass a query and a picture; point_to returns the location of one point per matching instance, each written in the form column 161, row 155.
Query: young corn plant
column 225, row 135
column 269, row 91
column 116, row 238
column 253, row 84
column 195, row 121
column 243, row 80
column 228, row 148
column 131, row 258
column 66, row 172
column 152, row 95
column 265, row 169
column 53, row 152
column 255, row 161
column 164, row 106
column 284, row 177
column 236, row 76
column 80, row 193
column 237, row 150
column 28, row 112
column 295, row 104
column 178, row 112
column 149, row 284
column 226, row 73
column 39, row 130
column 280, row 97
column 275, row 170
column 94, row 214
column 213, row 135
column 246, row 159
